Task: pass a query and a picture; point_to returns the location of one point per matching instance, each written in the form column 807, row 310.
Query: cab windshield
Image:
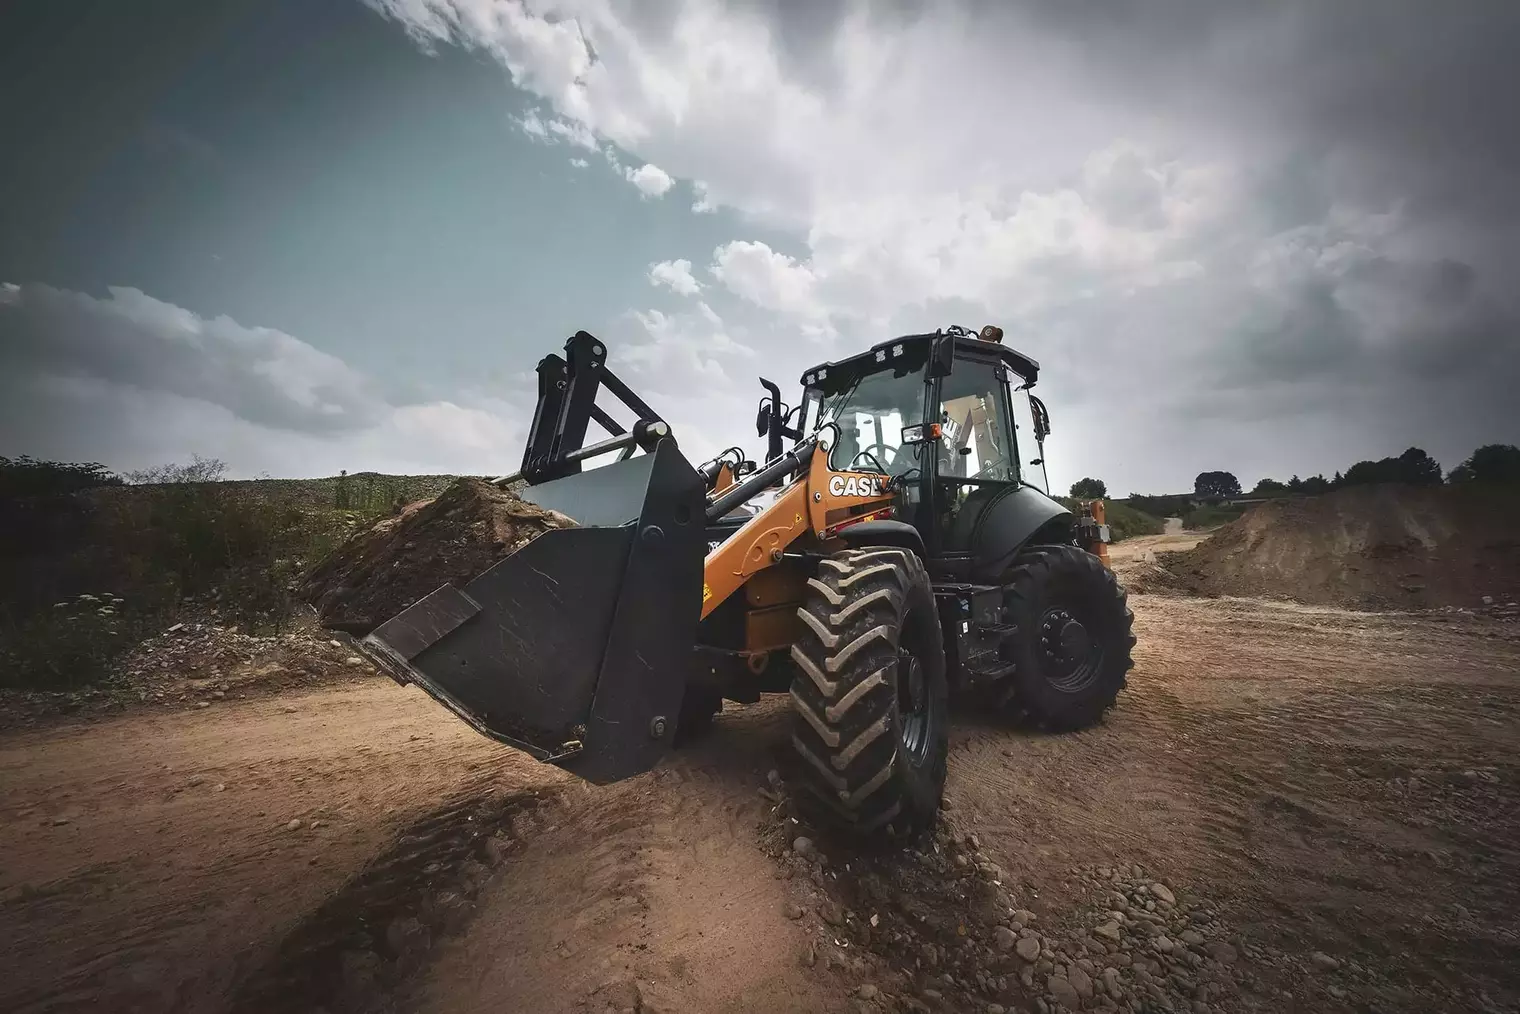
column 870, row 413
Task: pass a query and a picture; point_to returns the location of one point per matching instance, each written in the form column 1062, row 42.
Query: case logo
column 862, row 485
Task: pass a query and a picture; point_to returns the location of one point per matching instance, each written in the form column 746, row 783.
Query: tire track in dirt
column 1318, row 780
column 353, row 951
column 652, row 892
column 150, row 860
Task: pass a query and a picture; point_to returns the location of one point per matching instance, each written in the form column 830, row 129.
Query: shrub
column 73, row 643
column 26, row 476
column 1210, row 517
column 179, row 532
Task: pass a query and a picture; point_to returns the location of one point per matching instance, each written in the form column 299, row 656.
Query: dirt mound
column 1373, row 547
column 452, row 538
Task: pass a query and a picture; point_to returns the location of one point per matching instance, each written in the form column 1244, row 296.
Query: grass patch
column 1211, row 517
column 1126, row 522
column 89, row 564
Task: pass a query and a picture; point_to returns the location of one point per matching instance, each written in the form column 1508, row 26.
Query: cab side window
column 977, row 438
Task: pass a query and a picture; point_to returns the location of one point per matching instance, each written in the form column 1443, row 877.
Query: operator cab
column 948, row 415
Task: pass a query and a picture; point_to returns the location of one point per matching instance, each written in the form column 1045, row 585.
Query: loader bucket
column 576, row 648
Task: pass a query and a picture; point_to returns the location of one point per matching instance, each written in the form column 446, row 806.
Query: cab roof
column 916, row 348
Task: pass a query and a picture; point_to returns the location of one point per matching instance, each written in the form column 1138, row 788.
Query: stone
column 803, row 846
column 1223, row 953
column 294, row 825
column 867, row 991
column 1029, row 948
column 1192, row 937
column 1323, row 961
column 1164, row 893
column 792, row 910
column 1110, row 980
column 1004, row 938
column 1108, row 931
column 1163, row 943
column 1024, row 916
column 1063, row 991
column 1081, row 982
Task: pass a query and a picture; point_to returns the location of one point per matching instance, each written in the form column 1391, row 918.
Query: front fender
column 1008, row 523
column 883, row 533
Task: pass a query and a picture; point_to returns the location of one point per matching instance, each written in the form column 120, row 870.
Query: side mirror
column 1041, row 418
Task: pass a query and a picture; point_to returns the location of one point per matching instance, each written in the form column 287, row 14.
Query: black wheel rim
column 913, row 707
column 1070, row 650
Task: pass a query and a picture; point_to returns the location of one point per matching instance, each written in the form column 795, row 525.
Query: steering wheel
column 886, row 466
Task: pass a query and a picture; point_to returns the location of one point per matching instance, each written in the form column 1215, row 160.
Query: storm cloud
column 1268, row 237
column 1293, row 223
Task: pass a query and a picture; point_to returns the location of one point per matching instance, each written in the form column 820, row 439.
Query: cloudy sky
column 305, row 235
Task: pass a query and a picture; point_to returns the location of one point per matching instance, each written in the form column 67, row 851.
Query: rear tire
column 1071, row 639
column 870, row 702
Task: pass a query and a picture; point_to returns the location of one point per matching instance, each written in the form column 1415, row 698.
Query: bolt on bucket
column 575, row 649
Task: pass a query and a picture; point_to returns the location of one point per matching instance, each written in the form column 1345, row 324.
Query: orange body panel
column 755, row 546
column 816, row 505
column 724, row 480
column 1100, row 515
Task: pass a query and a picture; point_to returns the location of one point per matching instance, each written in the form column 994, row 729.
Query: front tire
column 870, row 701
column 1070, row 640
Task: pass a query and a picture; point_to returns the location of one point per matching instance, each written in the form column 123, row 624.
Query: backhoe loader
column 907, row 556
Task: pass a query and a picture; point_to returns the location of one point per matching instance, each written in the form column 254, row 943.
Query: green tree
column 1491, row 463
column 1089, row 489
column 1418, row 468
column 1414, row 466
column 1216, row 485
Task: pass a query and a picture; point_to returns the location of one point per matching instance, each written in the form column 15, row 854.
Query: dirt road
column 152, row 861
column 1328, row 797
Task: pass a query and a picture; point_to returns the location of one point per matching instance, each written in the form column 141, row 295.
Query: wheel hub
column 1068, row 649
column 913, row 706
column 1063, row 638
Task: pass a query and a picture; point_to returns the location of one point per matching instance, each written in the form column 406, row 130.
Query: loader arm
column 814, row 508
